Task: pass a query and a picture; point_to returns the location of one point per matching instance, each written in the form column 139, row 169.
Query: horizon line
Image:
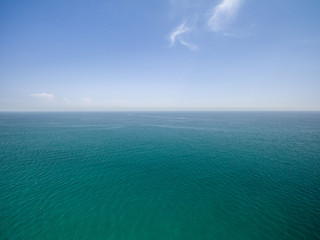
column 169, row 110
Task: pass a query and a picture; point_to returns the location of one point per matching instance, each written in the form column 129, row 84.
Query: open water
column 160, row 175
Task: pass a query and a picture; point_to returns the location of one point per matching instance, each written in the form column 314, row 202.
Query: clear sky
column 159, row 55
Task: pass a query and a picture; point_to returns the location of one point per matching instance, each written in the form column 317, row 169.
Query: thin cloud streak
column 176, row 36
column 223, row 14
column 43, row 95
column 220, row 17
column 191, row 46
column 177, row 32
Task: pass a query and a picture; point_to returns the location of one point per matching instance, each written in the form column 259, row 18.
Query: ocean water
column 160, row 175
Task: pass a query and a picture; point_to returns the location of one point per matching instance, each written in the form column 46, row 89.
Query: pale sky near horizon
column 159, row 55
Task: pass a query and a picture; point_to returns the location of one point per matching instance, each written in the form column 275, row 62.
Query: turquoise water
column 157, row 175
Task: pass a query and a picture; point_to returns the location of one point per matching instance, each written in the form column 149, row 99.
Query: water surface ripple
column 160, row 175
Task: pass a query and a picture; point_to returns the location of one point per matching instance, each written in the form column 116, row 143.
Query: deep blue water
column 160, row 175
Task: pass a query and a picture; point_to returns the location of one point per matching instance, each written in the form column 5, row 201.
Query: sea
column 160, row 175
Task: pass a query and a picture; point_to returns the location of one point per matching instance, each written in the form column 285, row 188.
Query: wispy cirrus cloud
column 196, row 18
column 191, row 46
column 177, row 36
column 223, row 14
column 48, row 96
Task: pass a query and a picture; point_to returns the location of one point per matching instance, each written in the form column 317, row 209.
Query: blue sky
column 160, row 55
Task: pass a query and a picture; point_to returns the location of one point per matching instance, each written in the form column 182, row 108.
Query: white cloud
column 48, row 96
column 193, row 13
column 87, row 100
column 176, row 35
column 177, row 32
column 223, row 14
column 191, row 46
